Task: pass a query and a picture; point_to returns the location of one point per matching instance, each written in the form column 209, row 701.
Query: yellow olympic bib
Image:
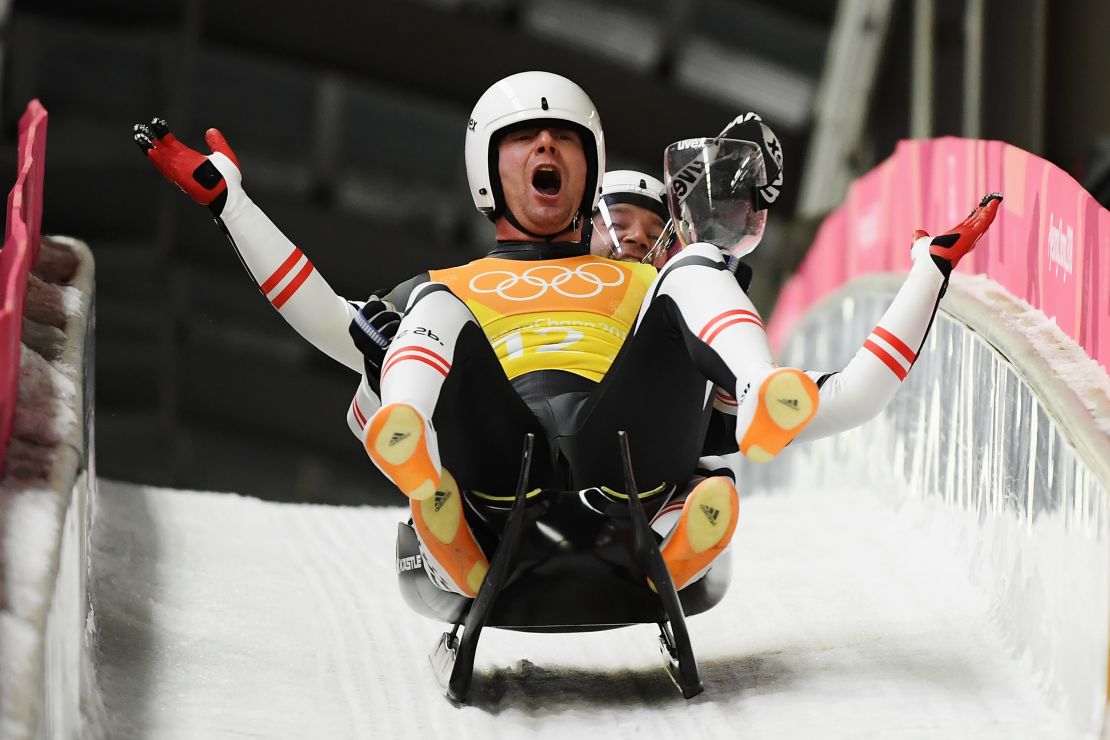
column 568, row 314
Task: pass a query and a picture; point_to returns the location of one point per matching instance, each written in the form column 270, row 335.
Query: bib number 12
column 514, row 341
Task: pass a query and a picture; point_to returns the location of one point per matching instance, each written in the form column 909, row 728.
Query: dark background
column 348, row 119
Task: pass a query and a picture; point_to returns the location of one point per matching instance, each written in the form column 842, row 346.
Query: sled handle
column 458, row 686
column 651, row 560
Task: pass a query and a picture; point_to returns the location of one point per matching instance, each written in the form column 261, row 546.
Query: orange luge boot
column 402, row 444
column 458, row 562
column 703, row 531
column 769, row 417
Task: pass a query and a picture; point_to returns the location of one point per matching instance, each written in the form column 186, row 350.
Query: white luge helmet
column 523, row 100
column 637, row 189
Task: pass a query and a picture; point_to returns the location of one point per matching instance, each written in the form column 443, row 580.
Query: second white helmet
column 637, row 189
column 519, row 100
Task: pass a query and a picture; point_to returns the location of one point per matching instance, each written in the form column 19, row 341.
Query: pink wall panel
column 868, row 222
column 21, row 244
column 1049, row 245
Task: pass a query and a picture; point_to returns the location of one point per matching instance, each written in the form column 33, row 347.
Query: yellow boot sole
column 396, row 441
column 704, row 529
column 787, row 402
column 443, row 529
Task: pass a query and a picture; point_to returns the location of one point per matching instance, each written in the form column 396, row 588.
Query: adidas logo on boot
column 695, row 542
column 449, row 546
column 402, row 443
column 769, row 418
column 441, row 500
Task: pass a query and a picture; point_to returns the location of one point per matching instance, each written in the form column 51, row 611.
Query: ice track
column 220, row 616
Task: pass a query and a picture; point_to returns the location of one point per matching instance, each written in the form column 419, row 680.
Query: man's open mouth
column 547, row 180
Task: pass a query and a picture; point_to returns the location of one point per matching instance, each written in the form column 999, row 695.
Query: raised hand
column 948, row 249
column 195, row 173
column 372, row 330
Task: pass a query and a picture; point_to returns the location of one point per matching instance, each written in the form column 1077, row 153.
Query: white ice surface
column 226, row 617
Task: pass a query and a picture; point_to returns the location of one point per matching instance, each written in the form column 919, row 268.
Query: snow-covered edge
column 1072, row 393
column 1075, row 387
column 1072, row 386
column 47, row 687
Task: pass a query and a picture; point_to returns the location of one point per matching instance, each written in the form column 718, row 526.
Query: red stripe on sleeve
column 726, row 399
column 730, row 322
column 359, row 416
column 897, row 343
column 402, row 356
column 416, row 352
column 282, row 271
column 294, row 284
column 424, row 351
column 725, row 315
column 889, row 361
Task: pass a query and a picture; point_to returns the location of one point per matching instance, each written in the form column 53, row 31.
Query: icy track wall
column 47, row 479
column 999, row 440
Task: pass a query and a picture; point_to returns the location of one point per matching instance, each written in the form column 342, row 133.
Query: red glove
column 948, row 249
column 186, row 168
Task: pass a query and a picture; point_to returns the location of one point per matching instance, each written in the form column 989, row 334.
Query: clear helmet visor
column 711, row 185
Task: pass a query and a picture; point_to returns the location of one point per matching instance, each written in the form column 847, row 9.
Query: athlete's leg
column 698, row 523
column 727, row 341
column 481, row 422
column 445, row 397
column 398, row 437
column 697, row 329
column 704, row 529
column 654, row 392
column 452, row 556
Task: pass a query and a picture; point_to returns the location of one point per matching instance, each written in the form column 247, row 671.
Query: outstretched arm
column 286, row 277
column 868, row 383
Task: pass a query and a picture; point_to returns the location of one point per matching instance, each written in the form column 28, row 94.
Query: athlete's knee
column 426, row 290
column 699, row 253
column 436, row 300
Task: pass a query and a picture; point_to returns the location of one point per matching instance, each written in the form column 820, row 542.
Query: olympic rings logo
column 591, row 279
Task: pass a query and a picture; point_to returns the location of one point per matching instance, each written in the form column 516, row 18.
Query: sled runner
column 563, row 561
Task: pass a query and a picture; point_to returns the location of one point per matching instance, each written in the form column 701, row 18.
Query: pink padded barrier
column 1050, row 244
column 21, row 245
